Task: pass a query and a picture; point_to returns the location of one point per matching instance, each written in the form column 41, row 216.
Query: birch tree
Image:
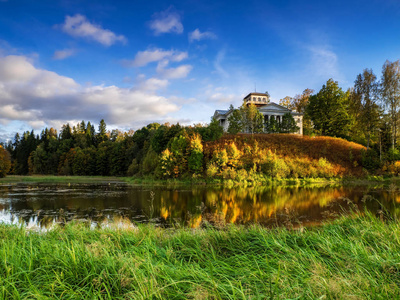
column 390, row 91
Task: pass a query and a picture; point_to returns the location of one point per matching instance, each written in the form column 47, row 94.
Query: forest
column 359, row 125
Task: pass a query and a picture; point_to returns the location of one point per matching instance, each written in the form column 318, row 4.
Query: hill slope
column 286, row 155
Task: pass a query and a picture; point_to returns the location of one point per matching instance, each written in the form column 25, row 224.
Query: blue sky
column 137, row 62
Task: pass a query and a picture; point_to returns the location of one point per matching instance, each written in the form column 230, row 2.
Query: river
column 43, row 205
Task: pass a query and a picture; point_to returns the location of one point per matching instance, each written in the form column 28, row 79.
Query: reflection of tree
column 260, row 204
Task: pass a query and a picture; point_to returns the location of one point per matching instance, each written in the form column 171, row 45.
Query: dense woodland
column 366, row 114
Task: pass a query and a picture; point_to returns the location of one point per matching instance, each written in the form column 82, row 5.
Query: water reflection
column 47, row 204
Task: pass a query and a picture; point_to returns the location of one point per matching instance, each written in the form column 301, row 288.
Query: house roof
column 221, row 111
column 274, row 106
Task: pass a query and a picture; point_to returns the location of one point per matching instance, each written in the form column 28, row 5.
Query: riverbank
column 60, row 179
column 374, row 180
column 354, row 257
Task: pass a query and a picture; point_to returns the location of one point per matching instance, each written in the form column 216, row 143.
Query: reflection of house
column 268, row 109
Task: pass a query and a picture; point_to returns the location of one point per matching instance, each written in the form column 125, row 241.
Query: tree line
column 83, row 150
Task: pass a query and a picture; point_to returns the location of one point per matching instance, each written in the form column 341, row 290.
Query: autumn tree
column 287, row 102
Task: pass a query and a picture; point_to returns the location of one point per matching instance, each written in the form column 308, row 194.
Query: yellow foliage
column 286, row 155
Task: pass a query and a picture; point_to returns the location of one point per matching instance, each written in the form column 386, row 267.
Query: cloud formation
column 143, row 58
column 172, row 73
column 167, row 21
column 63, row 54
column 79, row 26
column 197, row 35
column 38, row 96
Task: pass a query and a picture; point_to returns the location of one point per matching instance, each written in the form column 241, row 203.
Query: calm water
column 45, row 204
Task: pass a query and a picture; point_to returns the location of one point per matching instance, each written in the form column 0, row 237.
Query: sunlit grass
column 354, row 257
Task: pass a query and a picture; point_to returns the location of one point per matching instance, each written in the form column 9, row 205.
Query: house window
column 259, row 99
column 263, row 99
column 254, row 98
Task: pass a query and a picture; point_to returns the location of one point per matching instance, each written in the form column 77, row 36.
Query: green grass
column 356, row 257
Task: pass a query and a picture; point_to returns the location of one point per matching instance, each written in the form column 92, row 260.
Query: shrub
column 220, row 158
column 394, row 168
column 212, row 170
column 241, row 175
column 229, row 173
column 280, row 169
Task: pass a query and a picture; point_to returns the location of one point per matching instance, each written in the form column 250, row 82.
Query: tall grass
column 354, row 257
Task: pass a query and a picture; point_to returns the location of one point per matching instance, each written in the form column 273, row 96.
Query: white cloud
column 79, row 26
column 63, row 54
column 151, row 84
column 166, row 22
column 173, row 73
column 35, row 95
column 143, row 58
column 197, row 35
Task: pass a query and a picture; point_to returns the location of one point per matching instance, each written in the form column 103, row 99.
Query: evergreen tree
column 329, row 110
column 102, row 134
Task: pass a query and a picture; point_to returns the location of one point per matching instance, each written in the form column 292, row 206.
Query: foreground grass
column 351, row 258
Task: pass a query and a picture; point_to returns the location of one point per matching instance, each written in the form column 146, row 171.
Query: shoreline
column 375, row 180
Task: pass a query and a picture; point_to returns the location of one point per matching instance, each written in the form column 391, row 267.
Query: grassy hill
column 284, row 155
